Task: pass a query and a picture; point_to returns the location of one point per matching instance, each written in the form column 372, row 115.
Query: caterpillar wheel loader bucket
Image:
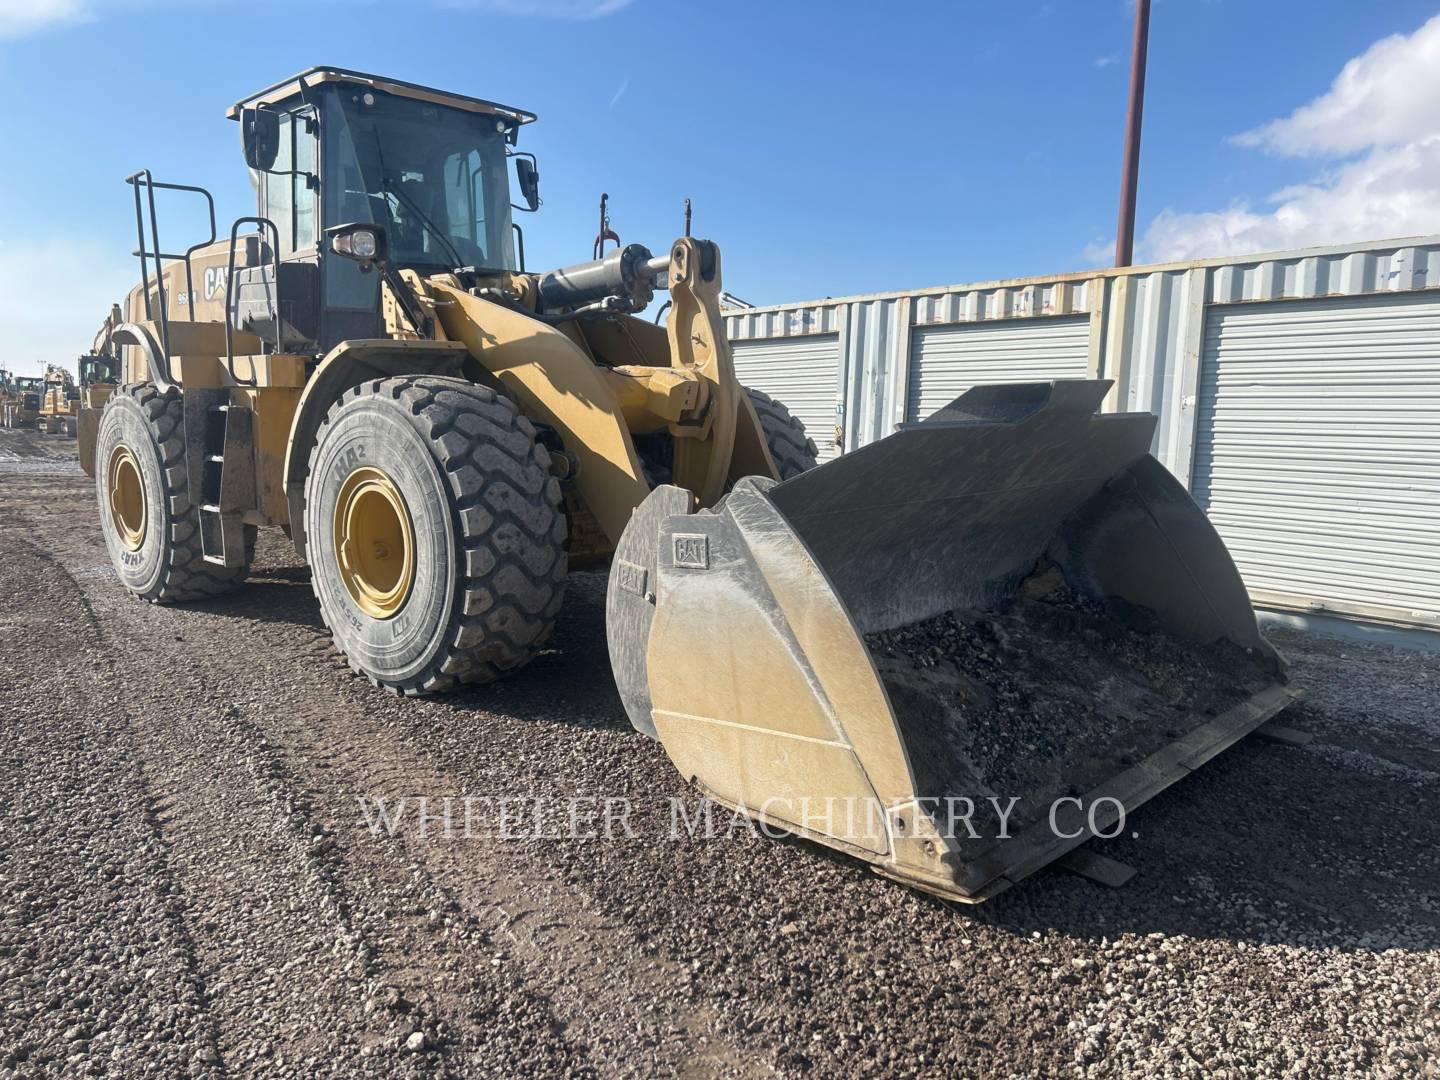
column 955, row 653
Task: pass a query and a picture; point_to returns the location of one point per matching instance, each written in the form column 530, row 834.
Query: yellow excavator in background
column 444, row 434
column 99, row 378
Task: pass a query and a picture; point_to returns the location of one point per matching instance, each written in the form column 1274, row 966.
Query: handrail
column 145, row 178
column 230, row 294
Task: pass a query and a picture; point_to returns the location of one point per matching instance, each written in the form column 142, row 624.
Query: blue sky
column 831, row 148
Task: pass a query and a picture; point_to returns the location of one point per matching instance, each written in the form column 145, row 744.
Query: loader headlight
column 363, row 242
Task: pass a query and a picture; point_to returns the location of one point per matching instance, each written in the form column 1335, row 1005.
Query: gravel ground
column 188, row 885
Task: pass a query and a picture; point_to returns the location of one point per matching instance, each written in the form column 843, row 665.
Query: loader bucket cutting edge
column 1010, row 600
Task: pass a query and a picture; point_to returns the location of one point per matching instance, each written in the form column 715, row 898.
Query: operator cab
column 29, row 388
column 331, row 147
column 97, row 370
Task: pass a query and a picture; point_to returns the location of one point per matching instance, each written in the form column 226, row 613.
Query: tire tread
column 794, row 451
column 185, row 575
column 509, row 523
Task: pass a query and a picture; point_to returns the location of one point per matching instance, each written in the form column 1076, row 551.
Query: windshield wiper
column 393, row 186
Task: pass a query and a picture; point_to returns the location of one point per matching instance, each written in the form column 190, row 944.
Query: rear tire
column 150, row 527
column 794, row 451
column 435, row 533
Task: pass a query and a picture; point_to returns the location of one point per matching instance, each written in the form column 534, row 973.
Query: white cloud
column 1387, row 95
column 57, row 321
column 21, row 17
column 1378, row 124
column 1098, row 252
column 619, row 93
column 1391, row 192
column 1106, row 61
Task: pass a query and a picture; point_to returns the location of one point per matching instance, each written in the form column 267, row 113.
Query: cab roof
column 293, row 86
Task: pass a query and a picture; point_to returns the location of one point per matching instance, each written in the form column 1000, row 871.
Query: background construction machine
column 22, row 403
column 59, row 402
column 99, row 378
column 367, row 363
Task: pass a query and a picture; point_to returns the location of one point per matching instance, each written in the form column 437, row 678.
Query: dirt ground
column 188, row 885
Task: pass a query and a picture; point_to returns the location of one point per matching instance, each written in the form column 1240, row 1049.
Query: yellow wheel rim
column 127, row 498
column 374, row 543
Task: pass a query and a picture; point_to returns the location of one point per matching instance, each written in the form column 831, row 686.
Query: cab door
column 290, row 197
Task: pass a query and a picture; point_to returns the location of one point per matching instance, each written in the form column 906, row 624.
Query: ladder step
column 222, row 536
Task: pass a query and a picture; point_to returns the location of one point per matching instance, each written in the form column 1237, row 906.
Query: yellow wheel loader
column 60, row 402
column 22, row 405
column 1012, row 598
column 99, row 378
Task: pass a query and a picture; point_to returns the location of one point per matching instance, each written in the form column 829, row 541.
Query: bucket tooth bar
column 737, row 634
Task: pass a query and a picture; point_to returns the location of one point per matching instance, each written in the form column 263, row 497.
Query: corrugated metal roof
column 1410, row 262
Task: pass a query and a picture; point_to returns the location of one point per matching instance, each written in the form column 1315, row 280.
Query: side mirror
column 528, row 177
column 260, row 135
column 360, row 240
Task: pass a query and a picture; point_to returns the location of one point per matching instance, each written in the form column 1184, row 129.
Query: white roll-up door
column 1317, row 451
column 801, row 372
column 945, row 361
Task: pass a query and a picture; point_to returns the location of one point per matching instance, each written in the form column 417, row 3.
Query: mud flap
column 756, row 623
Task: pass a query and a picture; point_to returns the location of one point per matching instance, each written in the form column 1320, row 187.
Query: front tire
column 150, row 527
column 794, row 452
column 434, row 532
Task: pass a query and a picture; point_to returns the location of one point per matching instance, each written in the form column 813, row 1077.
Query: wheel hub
column 374, row 542
column 127, row 498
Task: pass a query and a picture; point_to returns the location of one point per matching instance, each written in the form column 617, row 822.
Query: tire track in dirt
column 543, row 935
column 87, row 866
column 265, row 651
column 301, row 985
column 1283, row 918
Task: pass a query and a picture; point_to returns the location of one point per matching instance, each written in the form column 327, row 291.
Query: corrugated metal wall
column 1149, row 328
column 801, row 372
column 945, row 361
column 1318, row 451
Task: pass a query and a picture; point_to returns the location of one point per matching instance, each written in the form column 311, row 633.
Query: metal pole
column 1130, row 178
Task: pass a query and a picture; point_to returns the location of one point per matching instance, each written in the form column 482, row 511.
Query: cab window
column 289, row 200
